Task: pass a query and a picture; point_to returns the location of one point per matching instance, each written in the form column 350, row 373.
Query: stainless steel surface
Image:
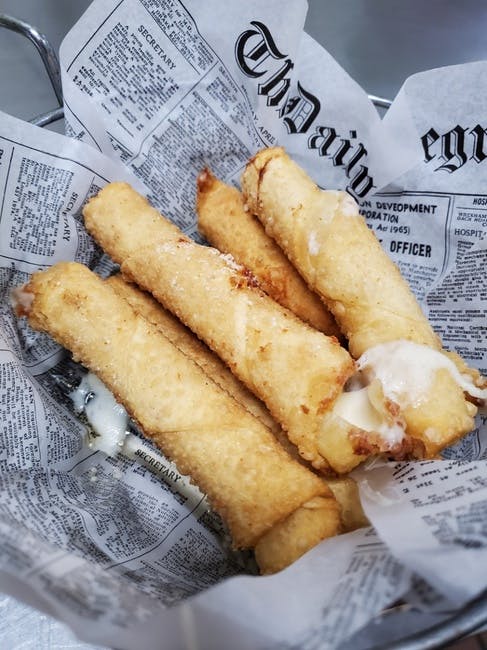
column 48, row 118
column 380, row 101
column 379, row 42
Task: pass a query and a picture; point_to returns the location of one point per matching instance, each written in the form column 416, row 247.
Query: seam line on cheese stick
column 290, row 205
column 313, row 522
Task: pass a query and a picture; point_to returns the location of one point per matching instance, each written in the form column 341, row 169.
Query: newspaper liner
column 102, row 543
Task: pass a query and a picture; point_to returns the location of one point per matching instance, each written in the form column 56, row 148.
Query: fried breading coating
column 248, row 478
column 226, row 225
column 306, row 527
column 346, row 493
column 441, row 418
column 297, row 371
column 184, row 339
column 324, row 236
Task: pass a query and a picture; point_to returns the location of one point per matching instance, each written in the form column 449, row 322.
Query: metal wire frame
column 470, row 618
column 51, row 63
column 50, row 60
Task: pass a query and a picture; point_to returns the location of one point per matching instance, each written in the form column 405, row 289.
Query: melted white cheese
column 110, row 422
column 348, row 206
column 406, row 371
column 108, row 418
column 355, row 407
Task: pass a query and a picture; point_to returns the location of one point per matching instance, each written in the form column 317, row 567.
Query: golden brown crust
column 112, row 217
column 225, row 224
column 342, row 260
column 442, row 417
column 335, row 251
column 228, row 453
column 293, row 368
column 346, row 493
column 306, row 527
column 184, row 339
column 263, row 344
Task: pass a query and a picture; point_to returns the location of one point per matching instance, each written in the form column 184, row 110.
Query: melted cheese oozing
column 110, row 422
column 108, row 418
column 355, row 407
column 406, row 371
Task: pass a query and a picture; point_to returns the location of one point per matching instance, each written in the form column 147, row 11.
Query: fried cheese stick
column 313, row 522
column 227, row 226
column 145, row 305
column 347, row 494
column 248, row 478
column 324, row 236
column 297, row 371
column 184, row 339
column 321, row 514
